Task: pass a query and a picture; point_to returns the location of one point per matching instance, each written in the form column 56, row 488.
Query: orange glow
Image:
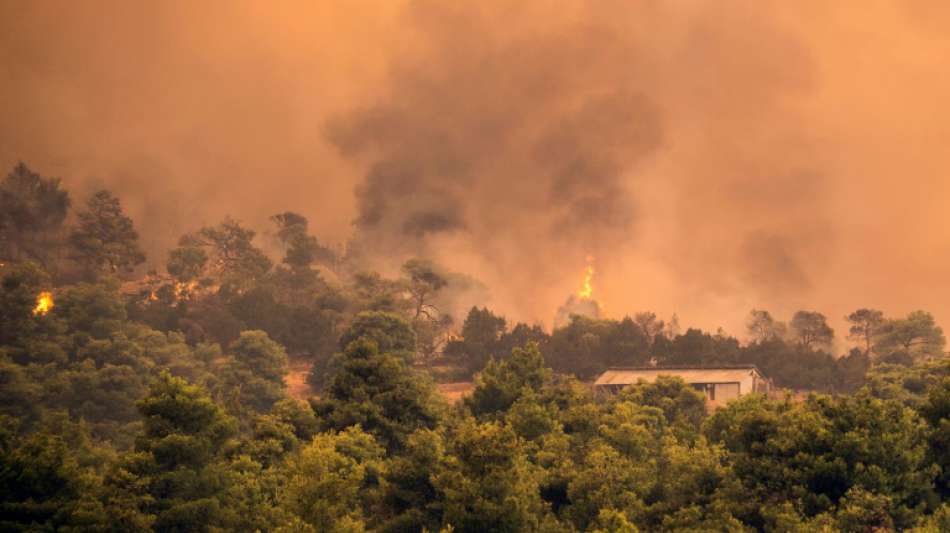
column 587, row 287
column 184, row 290
column 44, row 302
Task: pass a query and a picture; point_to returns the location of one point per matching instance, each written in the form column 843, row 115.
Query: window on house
column 708, row 390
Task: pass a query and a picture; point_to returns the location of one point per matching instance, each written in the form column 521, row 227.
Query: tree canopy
column 32, row 212
column 105, row 239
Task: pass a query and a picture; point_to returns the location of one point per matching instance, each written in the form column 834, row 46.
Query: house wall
column 727, row 391
column 715, row 391
column 746, row 386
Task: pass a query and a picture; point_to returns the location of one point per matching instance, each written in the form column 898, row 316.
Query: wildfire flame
column 184, row 290
column 44, row 302
column 587, row 287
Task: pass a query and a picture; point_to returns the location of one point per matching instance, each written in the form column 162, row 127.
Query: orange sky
column 713, row 155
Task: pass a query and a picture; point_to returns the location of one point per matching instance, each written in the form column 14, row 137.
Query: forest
column 157, row 400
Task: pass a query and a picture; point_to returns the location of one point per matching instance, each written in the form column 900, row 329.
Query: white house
column 719, row 383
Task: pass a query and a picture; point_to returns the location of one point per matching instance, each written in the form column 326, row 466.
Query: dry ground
column 296, row 380
column 298, row 388
column 454, row 392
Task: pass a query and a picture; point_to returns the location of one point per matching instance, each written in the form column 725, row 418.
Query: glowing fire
column 184, row 290
column 587, row 288
column 44, row 302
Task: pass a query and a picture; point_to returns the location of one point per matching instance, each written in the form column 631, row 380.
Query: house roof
column 689, row 374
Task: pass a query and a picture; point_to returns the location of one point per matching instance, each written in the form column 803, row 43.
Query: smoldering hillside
column 712, row 157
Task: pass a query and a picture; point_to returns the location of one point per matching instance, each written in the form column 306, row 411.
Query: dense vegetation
column 158, row 402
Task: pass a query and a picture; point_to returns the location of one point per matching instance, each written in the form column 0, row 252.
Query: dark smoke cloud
column 530, row 139
column 519, row 144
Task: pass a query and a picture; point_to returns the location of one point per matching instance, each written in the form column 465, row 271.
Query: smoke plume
column 713, row 157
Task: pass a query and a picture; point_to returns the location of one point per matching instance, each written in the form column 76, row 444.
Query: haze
column 712, row 156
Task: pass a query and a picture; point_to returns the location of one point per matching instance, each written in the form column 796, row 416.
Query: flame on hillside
column 582, row 303
column 154, row 289
column 44, row 302
column 183, row 291
column 587, row 287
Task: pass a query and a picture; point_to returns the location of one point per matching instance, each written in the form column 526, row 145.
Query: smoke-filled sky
column 713, row 156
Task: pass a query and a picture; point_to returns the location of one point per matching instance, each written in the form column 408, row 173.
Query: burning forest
column 422, row 266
